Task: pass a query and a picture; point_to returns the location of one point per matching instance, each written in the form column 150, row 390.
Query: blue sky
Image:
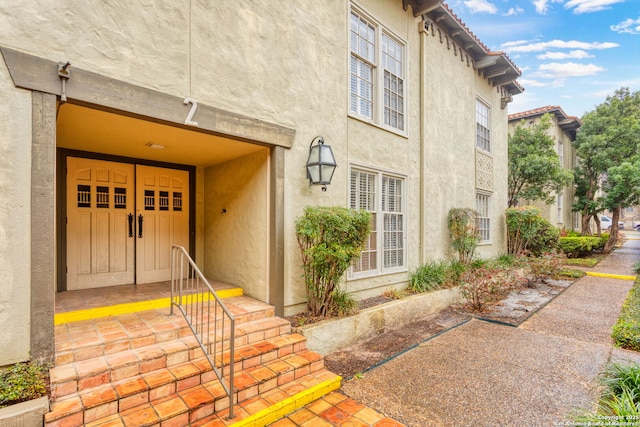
column 572, row 53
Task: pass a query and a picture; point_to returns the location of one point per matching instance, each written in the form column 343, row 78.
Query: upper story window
column 561, row 153
column 376, row 74
column 483, row 126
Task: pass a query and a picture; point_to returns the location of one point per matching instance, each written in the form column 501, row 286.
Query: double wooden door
column 121, row 222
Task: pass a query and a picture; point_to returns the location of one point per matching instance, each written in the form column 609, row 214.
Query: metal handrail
column 192, row 294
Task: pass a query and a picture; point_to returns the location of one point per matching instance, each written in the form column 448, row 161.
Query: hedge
column 575, row 247
column 626, row 332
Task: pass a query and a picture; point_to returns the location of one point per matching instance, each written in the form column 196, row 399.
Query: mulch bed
column 513, row 310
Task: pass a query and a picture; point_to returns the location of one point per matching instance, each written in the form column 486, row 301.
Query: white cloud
column 574, row 54
column 481, row 6
column 542, row 6
column 533, row 83
column 523, row 46
column 588, row 6
column 630, row 26
column 514, row 11
column 555, row 70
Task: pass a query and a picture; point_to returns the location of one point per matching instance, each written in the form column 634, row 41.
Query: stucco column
column 43, row 151
column 276, row 234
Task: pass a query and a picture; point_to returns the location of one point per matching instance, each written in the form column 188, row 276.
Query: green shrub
column 636, row 267
column 330, row 238
column 436, row 275
column 528, row 231
column 343, row 303
column 545, row 240
column 463, row 232
column 428, row 277
column 619, row 403
column 575, row 247
column 626, row 331
column 22, row 382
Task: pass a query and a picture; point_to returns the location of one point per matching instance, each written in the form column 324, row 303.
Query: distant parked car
column 605, row 223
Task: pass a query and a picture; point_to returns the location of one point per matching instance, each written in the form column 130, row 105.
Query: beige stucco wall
column 236, row 223
column 286, row 64
column 451, row 88
column 15, row 226
column 550, row 211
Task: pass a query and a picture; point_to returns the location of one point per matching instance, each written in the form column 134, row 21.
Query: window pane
column 484, row 222
column 393, row 83
column 483, row 132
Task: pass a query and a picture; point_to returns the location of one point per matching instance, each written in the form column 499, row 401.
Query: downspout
column 423, row 122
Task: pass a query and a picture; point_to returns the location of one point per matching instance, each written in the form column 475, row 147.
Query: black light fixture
column 321, row 164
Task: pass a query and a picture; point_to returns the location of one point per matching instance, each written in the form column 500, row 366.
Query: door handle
column 130, row 218
column 140, row 219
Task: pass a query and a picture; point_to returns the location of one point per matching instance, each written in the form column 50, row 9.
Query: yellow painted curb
column 610, row 276
column 132, row 307
column 275, row 412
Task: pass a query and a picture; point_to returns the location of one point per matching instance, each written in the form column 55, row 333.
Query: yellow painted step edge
column 611, row 276
column 131, row 307
column 275, row 412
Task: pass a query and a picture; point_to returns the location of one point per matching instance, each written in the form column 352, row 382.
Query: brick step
column 185, row 392
column 88, row 339
column 256, row 342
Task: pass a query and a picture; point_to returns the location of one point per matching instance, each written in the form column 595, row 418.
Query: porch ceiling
column 87, row 129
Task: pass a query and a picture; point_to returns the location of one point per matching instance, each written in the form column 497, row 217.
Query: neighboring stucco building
column 183, row 122
column 563, row 130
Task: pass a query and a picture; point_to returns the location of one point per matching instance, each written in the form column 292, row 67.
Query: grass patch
column 626, row 332
column 582, row 262
column 571, row 273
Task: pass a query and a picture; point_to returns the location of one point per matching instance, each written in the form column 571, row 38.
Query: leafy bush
column 482, row 285
column 620, row 400
column 463, row 232
column 527, row 230
column 575, row 247
column 545, row 266
column 436, row 275
column 626, row 331
column 636, row 267
column 545, row 240
column 330, row 238
column 22, row 382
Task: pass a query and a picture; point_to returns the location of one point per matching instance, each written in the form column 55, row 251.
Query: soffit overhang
column 496, row 67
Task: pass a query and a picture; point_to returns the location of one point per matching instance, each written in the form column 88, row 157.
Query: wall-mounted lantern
column 321, row 164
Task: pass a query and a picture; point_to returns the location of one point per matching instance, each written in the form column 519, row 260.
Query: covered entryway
column 121, row 222
column 129, row 188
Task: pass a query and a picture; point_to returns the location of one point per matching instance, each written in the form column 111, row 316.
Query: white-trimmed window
column 483, row 209
column 561, row 153
column 376, row 81
column 483, row 126
column 384, row 196
column 560, row 209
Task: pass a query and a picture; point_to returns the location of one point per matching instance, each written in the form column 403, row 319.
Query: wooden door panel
column 99, row 200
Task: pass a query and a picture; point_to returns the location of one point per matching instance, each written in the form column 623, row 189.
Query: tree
column 535, row 172
column 608, row 145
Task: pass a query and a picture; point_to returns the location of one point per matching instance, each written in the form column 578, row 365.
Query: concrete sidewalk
column 486, row 374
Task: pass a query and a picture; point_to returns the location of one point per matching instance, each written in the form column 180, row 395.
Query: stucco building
column 563, row 131
column 132, row 125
